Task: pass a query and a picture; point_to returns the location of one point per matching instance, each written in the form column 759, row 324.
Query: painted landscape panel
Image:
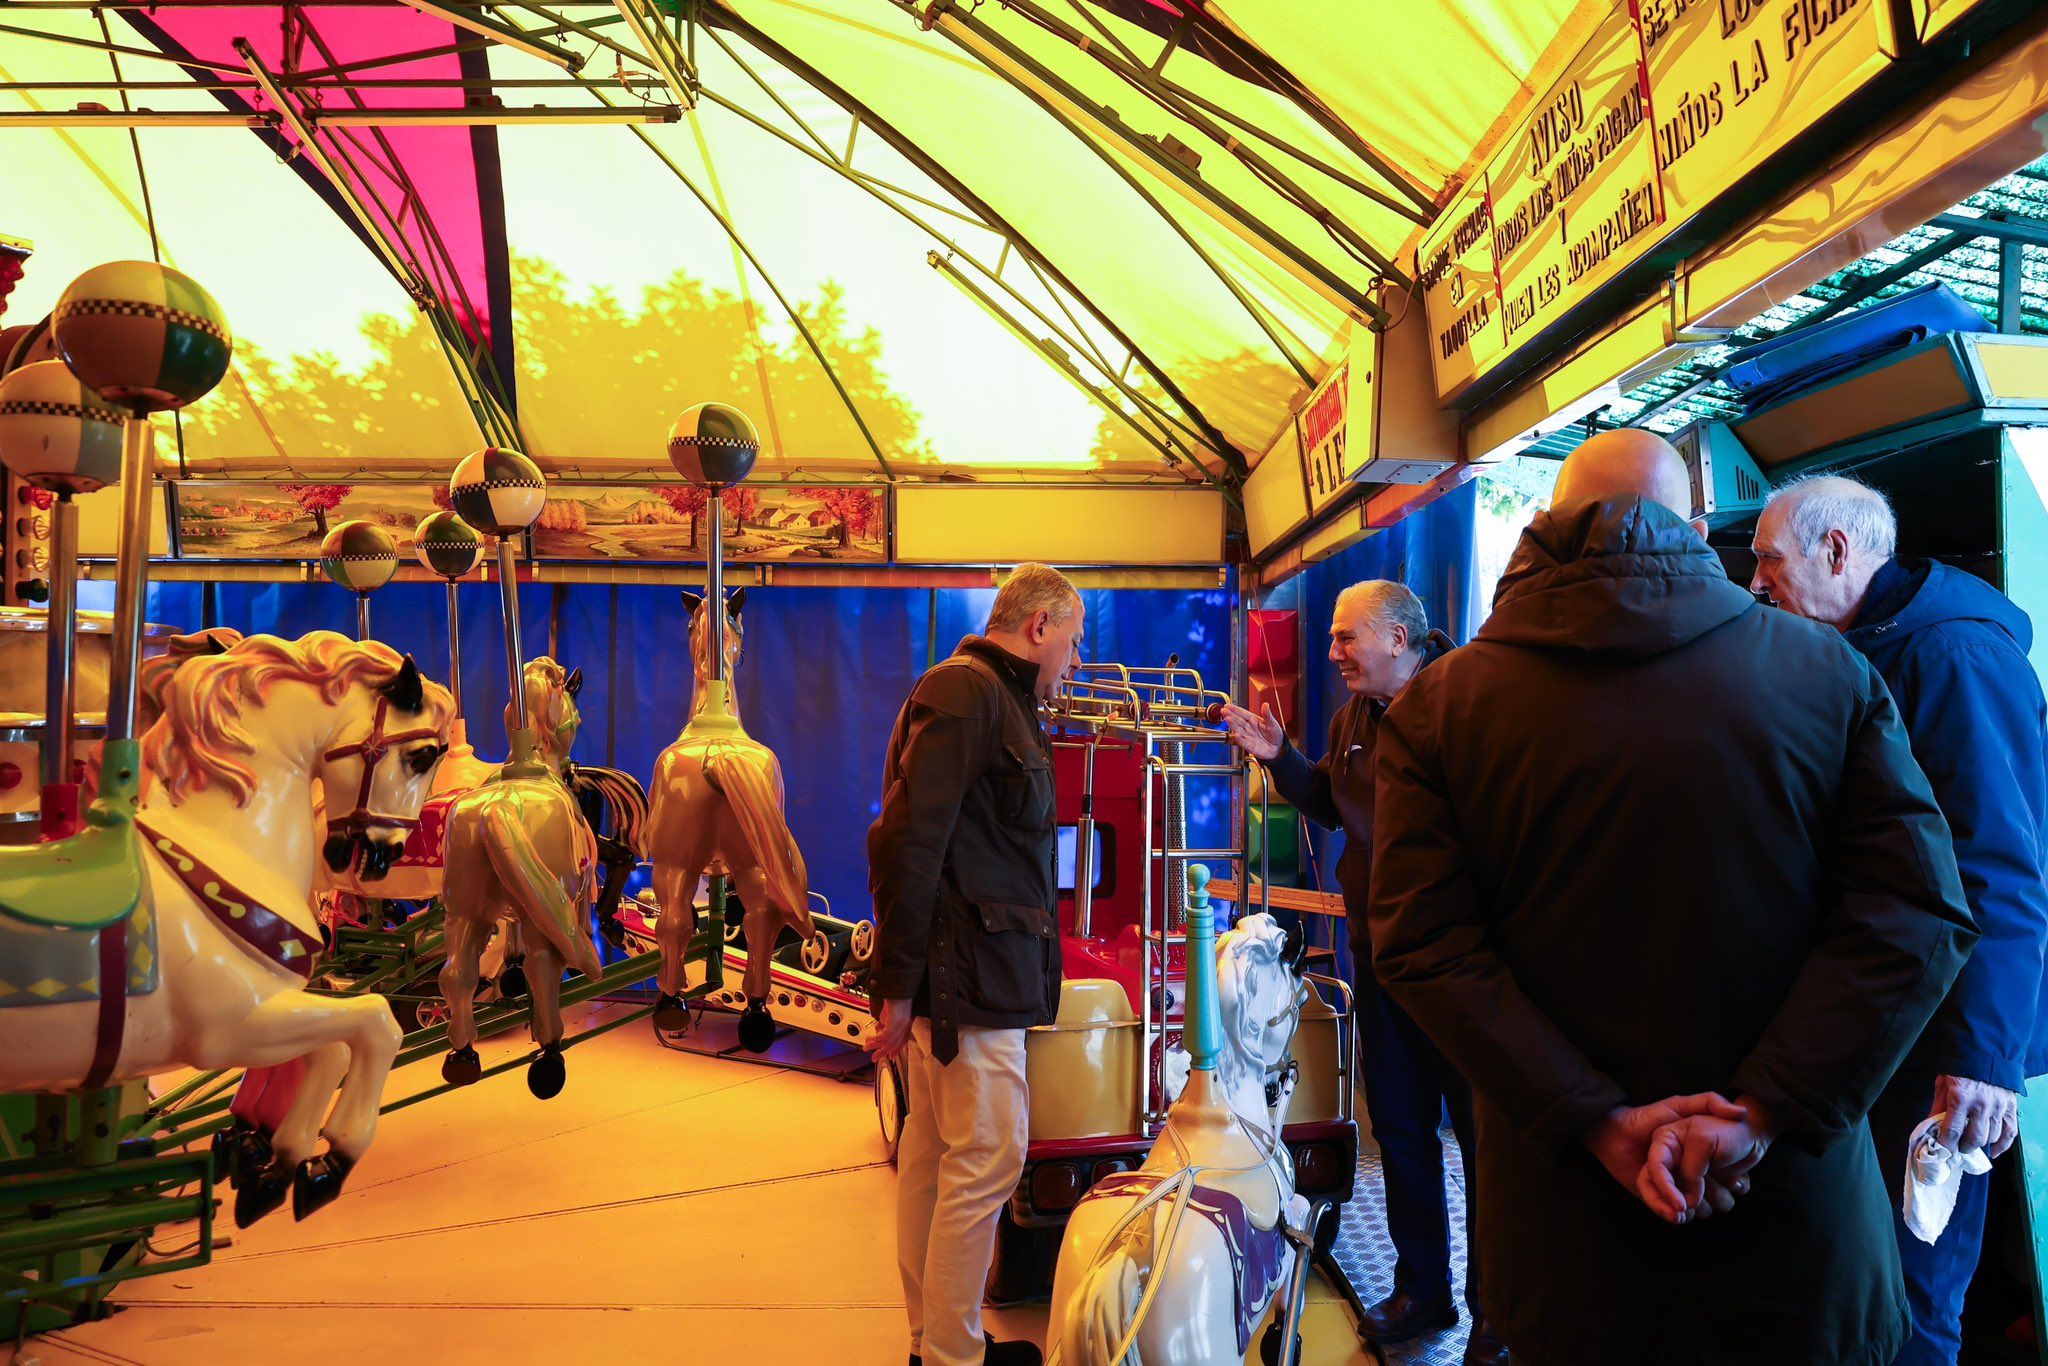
column 777, row 524
column 258, row 521
column 251, row 521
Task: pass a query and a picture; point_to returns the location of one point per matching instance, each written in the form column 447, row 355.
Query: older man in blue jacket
column 1954, row 652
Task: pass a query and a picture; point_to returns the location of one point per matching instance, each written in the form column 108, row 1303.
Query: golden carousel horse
column 717, row 809
column 209, row 971
column 517, row 847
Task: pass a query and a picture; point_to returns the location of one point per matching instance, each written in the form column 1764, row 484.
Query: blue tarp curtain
column 1431, row 552
column 823, row 673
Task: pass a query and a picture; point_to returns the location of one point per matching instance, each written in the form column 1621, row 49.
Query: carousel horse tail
column 537, row 891
column 1104, row 1304
column 614, row 803
column 753, row 789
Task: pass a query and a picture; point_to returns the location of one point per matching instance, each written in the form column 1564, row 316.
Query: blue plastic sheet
column 823, row 674
column 1431, row 552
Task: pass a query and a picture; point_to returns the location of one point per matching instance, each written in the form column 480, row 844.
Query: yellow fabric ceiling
column 1221, row 244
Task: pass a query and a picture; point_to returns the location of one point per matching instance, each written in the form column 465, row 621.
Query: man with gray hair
column 1379, row 640
column 967, row 951
column 1953, row 651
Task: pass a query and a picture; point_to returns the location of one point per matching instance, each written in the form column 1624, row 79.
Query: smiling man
column 1379, row 640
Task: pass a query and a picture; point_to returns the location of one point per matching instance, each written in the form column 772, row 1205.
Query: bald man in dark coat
column 1643, row 847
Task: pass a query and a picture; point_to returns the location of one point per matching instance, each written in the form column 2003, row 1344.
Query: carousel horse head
column 1260, row 993
column 700, row 631
column 381, row 731
column 551, row 711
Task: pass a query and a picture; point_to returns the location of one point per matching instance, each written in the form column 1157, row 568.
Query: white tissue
column 1934, row 1173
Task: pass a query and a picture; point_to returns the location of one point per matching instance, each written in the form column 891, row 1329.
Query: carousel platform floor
column 666, row 1203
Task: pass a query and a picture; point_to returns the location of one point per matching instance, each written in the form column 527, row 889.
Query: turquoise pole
column 1202, row 1016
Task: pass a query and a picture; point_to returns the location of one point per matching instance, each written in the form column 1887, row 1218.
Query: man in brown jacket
column 962, row 866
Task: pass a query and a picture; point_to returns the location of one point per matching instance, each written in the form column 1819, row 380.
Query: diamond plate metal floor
column 1367, row 1255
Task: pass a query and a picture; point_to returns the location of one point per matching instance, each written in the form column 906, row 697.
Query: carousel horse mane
column 155, row 672
column 1255, row 946
column 549, row 689
column 200, row 729
column 700, row 631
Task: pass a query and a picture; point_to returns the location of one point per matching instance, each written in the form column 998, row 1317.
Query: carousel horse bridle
column 349, row 831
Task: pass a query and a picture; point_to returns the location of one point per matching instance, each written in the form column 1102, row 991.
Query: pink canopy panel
column 435, row 191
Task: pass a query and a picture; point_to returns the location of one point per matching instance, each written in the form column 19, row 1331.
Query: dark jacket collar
column 1891, row 588
column 1020, row 672
column 1625, row 578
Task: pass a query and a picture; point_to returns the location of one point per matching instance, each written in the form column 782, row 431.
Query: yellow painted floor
column 665, row 1206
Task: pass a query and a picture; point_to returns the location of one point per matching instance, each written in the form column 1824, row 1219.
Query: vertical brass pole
column 714, row 584
column 60, row 672
column 515, row 655
column 455, row 646
column 130, row 577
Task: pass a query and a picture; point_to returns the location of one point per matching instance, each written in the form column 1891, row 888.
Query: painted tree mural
column 317, row 499
column 687, row 500
column 857, row 511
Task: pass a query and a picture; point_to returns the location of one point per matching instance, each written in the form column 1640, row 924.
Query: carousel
column 441, row 714
column 287, row 879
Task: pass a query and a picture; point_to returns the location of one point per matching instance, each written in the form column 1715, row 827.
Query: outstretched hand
column 1258, row 736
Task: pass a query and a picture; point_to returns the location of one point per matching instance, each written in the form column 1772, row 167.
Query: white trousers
column 959, row 1159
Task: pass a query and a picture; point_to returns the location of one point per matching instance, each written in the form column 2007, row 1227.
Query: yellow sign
column 1461, row 296
column 1668, row 104
column 1575, row 190
column 1733, row 81
column 1335, row 426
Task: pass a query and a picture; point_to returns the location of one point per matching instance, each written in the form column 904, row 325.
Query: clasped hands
column 1687, row 1157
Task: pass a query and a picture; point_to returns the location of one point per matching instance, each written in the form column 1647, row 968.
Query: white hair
column 1386, row 604
column 1031, row 589
column 1816, row 504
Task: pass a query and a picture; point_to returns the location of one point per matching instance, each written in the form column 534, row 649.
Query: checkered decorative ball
column 497, row 491
column 26, row 345
column 359, row 556
column 713, row 445
column 448, row 545
column 57, row 434
column 142, row 336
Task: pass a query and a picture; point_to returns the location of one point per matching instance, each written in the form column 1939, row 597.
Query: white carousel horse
column 1176, row 1263
column 222, row 941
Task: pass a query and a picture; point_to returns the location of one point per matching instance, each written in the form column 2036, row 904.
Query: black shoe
column 1401, row 1316
column 1000, row 1354
column 1484, row 1347
column 1012, row 1354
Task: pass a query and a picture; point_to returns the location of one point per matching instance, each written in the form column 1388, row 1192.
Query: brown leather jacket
column 961, row 860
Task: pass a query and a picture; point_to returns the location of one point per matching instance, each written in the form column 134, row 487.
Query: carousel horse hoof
column 546, row 1074
column 671, row 1014
column 318, row 1181
column 262, row 1191
column 757, row 1028
column 462, row 1067
column 228, row 1150
column 512, row 981
column 251, row 1153
column 613, row 931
